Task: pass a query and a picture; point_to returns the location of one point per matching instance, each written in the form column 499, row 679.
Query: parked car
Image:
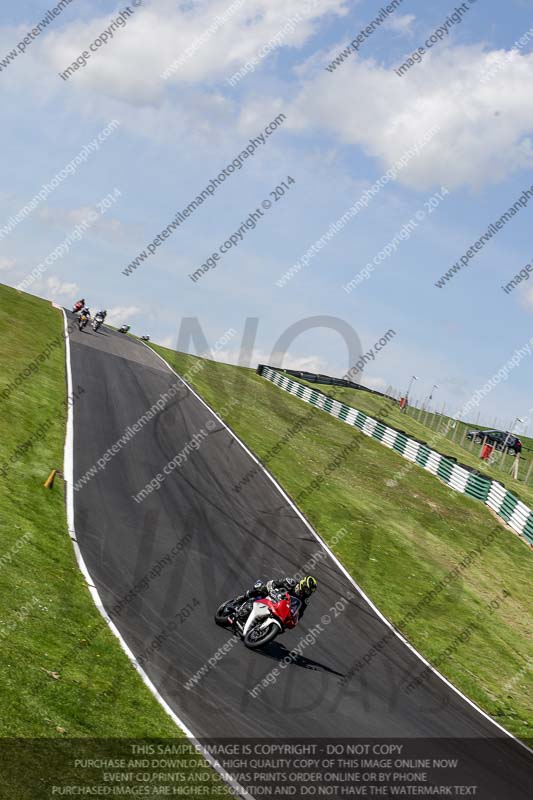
column 497, row 439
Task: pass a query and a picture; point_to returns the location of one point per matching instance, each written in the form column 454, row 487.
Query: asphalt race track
column 230, row 540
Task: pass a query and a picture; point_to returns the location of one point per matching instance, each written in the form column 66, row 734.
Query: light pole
column 403, row 407
column 413, row 378
column 516, row 459
column 435, row 386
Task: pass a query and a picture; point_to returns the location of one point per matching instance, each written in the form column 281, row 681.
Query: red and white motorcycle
column 269, row 616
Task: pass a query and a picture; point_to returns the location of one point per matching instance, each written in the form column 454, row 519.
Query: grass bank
column 46, row 611
column 434, row 430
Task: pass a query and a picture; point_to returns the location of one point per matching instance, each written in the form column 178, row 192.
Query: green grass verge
column 46, row 612
column 401, row 540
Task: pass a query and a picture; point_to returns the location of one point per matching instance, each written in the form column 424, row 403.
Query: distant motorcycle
column 145, row 338
column 98, row 321
column 83, row 319
column 124, row 329
column 269, row 616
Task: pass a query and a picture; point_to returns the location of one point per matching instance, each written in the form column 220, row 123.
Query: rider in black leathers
column 301, row 590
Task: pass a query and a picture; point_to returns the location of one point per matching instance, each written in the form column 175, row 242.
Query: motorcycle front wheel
column 256, row 636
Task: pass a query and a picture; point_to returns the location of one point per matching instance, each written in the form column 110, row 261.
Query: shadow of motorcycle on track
column 277, row 652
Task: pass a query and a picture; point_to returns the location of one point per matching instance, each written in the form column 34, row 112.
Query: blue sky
column 343, row 130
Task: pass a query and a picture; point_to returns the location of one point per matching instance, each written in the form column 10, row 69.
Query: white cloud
column 167, row 341
column 401, row 23
column 484, row 127
column 309, row 363
column 7, row 263
column 123, row 79
column 69, row 218
column 58, row 290
column 526, row 297
column 373, row 383
column 130, row 65
column 122, row 315
column 254, row 357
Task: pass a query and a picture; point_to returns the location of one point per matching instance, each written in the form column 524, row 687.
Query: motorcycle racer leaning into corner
column 301, row 590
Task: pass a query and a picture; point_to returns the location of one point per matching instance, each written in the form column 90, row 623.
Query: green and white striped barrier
column 515, row 513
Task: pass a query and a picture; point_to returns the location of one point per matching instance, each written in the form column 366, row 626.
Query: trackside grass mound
column 62, row 672
column 402, row 540
column 413, row 423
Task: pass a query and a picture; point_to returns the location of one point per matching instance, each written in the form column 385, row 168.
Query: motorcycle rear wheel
column 222, row 613
column 258, row 637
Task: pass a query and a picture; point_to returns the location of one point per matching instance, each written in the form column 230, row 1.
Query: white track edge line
column 68, row 471
column 342, row 568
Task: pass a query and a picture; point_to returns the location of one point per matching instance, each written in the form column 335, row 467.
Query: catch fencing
column 461, row 478
column 327, row 380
